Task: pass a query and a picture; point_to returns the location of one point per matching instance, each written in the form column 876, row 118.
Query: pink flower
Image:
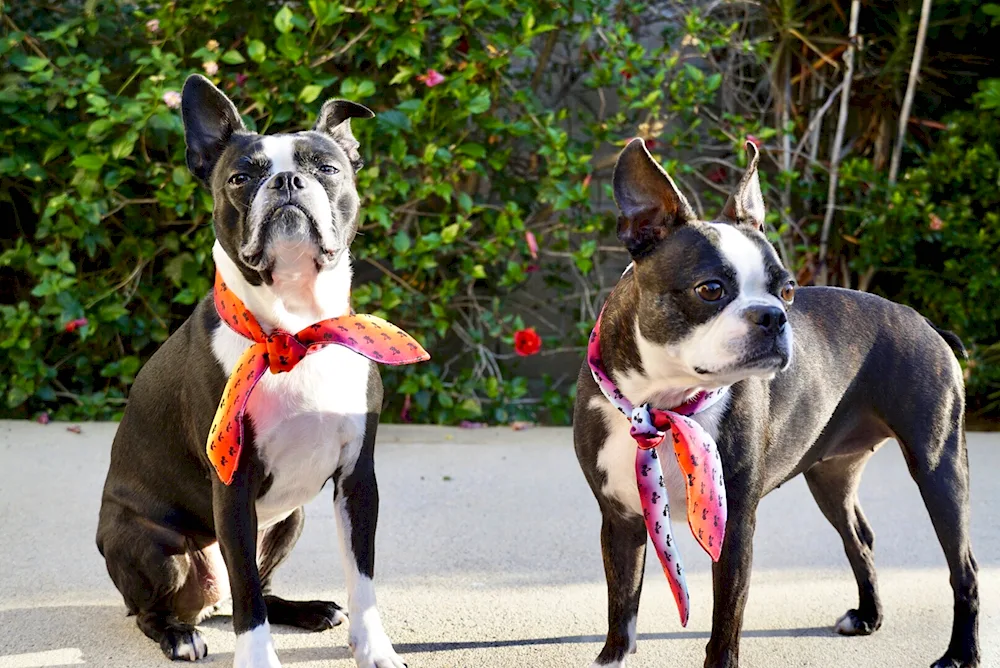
column 431, row 78
column 936, row 223
column 586, row 181
column 753, row 140
column 153, row 25
column 74, row 325
column 241, row 79
column 529, row 236
column 172, row 99
column 211, row 68
column 43, row 418
column 650, row 144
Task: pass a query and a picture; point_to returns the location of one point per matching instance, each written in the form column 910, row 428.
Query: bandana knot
column 279, row 352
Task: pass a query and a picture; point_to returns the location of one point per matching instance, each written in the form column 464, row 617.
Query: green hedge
column 464, row 177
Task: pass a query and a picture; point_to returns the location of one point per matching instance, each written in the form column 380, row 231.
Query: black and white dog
column 815, row 388
column 177, row 541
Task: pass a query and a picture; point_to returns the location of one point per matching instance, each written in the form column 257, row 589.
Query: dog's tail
column 951, row 338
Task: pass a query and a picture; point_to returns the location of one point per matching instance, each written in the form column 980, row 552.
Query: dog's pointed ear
column 210, row 119
column 651, row 205
column 335, row 120
column 746, row 204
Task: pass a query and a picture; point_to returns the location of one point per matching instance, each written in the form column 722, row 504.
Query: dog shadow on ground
column 96, row 635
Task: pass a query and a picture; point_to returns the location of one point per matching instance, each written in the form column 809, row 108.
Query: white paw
column 255, row 649
column 191, row 649
column 373, row 650
column 845, row 624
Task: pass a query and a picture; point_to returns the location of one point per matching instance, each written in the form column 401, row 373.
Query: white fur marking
column 280, row 150
column 366, row 636
column 255, row 649
column 845, row 625
column 302, row 418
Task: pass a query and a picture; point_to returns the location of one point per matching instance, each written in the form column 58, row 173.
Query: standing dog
column 708, row 305
column 176, row 539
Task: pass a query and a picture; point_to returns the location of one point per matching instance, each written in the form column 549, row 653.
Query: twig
column 393, row 276
column 911, row 87
column 838, row 140
column 341, row 51
column 543, row 59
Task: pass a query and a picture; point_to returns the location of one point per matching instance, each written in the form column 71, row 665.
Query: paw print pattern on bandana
column 699, row 461
column 279, row 351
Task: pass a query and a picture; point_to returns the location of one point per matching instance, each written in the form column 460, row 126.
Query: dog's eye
column 328, row 169
column 239, row 179
column 788, row 292
column 710, row 291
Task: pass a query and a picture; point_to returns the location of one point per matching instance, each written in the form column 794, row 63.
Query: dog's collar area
column 698, row 458
column 279, row 352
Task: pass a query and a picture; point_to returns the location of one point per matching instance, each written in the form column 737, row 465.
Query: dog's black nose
column 287, row 181
column 769, row 318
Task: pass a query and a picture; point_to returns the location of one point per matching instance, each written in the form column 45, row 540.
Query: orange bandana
column 280, row 351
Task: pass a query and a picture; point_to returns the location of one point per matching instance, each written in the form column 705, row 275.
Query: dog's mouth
column 758, row 362
column 289, row 228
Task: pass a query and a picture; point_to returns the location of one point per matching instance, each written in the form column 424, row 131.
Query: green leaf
column 52, row 152
column 289, row 46
column 256, row 50
column 34, row 64
column 89, row 161
column 123, row 146
column 233, row 57
column 401, row 242
column 310, row 93
column 99, row 128
column 480, row 103
column 450, row 233
column 395, row 120
column 283, row 20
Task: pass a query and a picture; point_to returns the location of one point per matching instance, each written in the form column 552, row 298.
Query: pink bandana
column 698, row 458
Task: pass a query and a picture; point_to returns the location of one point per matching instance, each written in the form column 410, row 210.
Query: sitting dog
column 706, row 310
column 183, row 526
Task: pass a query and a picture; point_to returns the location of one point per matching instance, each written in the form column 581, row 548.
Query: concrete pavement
column 488, row 555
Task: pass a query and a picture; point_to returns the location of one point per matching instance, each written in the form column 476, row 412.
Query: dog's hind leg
column 834, row 485
column 939, row 465
column 152, row 568
column 275, row 546
column 623, row 543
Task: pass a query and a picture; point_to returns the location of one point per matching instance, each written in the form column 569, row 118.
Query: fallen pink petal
column 529, row 236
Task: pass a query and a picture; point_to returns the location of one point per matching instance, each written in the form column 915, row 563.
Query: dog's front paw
column 854, row 623
column 949, row 662
column 183, row 643
column 255, row 649
column 373, row 650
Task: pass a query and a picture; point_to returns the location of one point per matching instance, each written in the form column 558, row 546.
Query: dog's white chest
column 301, row 419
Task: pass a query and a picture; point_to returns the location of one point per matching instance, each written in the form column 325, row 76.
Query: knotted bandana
column 280, row 351
column 699, row 461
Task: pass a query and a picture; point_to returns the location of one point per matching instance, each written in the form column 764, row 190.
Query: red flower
column 74, row 325
column 650, row 144
column 431, row 78
column 626, row 74
column 754, row 140
column 527, row 342
column 463, row 46
column 717, row 175
column 241, row 78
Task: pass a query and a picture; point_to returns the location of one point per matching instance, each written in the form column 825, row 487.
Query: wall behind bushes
column 484, row 191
